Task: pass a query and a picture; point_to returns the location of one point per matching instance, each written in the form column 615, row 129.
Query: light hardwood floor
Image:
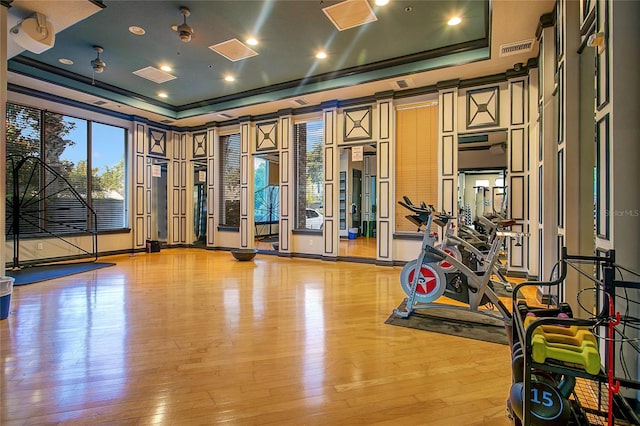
column 193, row 337
column 362, row 247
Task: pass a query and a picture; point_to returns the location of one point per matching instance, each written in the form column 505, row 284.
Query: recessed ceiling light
column 136, row 30
column 166, row 68
column 454, row 21
column 252, row 41
column 382, row 2
column 229, row 78
column 65, row 61
column 321, row 55
column 163, row 95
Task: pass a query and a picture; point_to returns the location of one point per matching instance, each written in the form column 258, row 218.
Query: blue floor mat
column 36, row 274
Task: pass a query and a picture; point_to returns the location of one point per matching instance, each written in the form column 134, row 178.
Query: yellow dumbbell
column 585, row 354
column 572, row 335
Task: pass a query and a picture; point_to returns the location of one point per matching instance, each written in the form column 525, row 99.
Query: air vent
column 404, row 83
column 300, row 101
column 154, row 74
column 234, row 50
column 516, row 48
column 349, row 14
column 224, row 115
column 167, row 121
column 100, row 102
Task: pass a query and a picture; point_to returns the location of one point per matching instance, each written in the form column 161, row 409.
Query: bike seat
column 507, row 223
column 440, row 223
column 418, row 220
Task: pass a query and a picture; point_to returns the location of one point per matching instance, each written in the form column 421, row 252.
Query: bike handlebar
column 423, row 209
column 430, row 210
column 419, row 210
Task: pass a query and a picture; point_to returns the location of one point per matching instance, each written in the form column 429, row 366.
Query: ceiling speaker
column 34, row 34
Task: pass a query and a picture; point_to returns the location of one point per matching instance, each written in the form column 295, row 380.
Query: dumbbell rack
column 595, row 399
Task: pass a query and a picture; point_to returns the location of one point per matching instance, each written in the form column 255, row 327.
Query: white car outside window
column 314, row 219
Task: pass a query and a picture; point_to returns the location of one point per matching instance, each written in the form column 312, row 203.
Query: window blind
column 416, row 159
column 230, row 180
column 309, row 159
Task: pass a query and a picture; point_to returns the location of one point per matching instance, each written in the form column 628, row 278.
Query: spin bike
column 424, row 281
column 472, row 255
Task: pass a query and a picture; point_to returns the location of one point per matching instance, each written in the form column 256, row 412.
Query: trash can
column 153, row 246
column 6, row 288
column 353, row 233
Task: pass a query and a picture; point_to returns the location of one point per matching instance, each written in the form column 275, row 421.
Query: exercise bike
column 472, row 256
column 424, row 280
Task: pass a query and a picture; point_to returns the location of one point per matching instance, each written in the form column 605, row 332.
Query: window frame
column 300, row 210
column 221, row 191
column 88, row 198
column 126, row 174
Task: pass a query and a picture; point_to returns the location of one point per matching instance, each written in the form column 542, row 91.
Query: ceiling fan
column 98, row 64
column 185, row 31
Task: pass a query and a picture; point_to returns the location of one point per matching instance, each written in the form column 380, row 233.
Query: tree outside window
column 309, row 160
column 83, row 158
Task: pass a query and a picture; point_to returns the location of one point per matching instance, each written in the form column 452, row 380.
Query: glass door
column 199, row 204
column 357, row 201
column 159, row 219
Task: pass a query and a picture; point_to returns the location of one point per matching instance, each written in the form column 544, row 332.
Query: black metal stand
column 595, row 399
column 44, row 204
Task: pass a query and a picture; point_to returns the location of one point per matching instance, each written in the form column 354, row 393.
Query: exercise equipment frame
column 609, row 404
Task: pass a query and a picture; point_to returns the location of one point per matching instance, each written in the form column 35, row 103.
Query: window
column 24, row 130
column 84, row 160
column 108, row 176
column 24, row 127
column 308, row 144
column 230, row 180
column 65, row 151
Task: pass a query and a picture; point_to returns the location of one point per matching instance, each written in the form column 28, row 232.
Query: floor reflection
column 362, row 247
column 191, row 336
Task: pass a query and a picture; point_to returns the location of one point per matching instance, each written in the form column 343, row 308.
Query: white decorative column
column 213, row 141
column 574, row 150
column 246, row 184
column 533, row 178
column 547, row 154
column 178, row 182
column 448, row 147
column 287, row 182
column 518, row 173
column 330, row 232
column 386, row 159
column 141, row 221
